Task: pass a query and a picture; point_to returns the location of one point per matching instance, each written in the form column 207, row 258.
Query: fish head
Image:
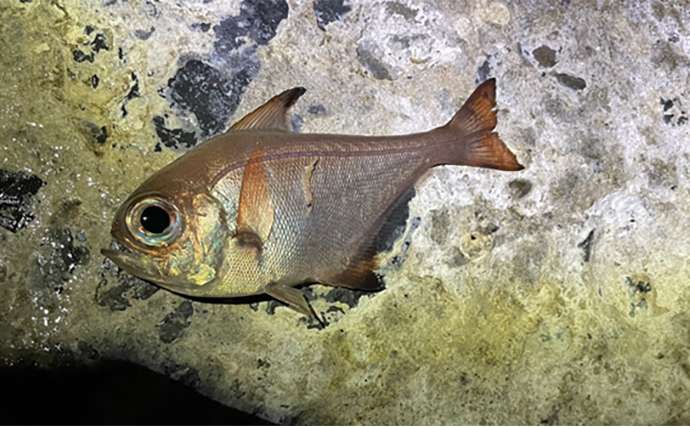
column 175, row 240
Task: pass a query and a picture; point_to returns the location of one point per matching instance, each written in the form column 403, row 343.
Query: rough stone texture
column 557, row 295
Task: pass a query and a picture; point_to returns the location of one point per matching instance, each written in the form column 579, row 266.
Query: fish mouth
column 133, row 263
column 144, row 267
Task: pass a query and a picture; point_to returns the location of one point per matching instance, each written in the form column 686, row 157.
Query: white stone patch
column 404, row 37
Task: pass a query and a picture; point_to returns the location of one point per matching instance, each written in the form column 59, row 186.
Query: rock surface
column 556, row 295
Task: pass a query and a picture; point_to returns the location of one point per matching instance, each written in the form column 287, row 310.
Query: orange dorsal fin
column 273, row 114
column 255, row 213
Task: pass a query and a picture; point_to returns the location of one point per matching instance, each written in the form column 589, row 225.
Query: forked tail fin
column 473, row 126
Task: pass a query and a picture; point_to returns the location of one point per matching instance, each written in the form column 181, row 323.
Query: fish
column 261, row 209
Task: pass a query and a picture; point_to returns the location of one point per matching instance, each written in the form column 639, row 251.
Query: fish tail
column 473, row 125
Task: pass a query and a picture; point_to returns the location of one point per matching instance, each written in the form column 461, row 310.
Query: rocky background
column 556, row 295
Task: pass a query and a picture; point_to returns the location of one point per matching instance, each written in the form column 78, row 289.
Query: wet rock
column 174, row 324
column 17, row 190
column 64, row 258
column 116, row 288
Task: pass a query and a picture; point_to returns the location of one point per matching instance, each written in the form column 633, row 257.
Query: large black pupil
column 155, row 220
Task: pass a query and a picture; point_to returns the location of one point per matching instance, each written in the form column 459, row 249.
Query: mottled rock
column 554, row 295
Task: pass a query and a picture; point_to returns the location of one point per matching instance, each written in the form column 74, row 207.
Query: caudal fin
column 473, row 125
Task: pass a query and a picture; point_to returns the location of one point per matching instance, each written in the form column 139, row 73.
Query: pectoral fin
column 255, row 213
column 273, row 114
column 293, row 298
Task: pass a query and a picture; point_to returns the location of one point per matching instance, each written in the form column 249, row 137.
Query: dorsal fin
column 255, row 213
column 273, row 114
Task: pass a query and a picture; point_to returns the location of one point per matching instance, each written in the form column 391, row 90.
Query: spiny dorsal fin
column 255, row 213
column 273, row 114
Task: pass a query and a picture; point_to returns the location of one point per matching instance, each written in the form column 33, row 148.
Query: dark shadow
column 112, row 393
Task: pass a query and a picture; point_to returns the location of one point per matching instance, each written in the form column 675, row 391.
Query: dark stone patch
column 296, row 123
column 545, row 56
column 183, row 374
column 440, row 225
column 144, row 34
column 80, row 56
column 395, row 8
column 201, row 26
column 638, row 287
column 271, row 306
column 483, row 72
column 116, row 287
column 350, row 297
column 673, row 111
column 199, row 89
column 519, row 188
column 97, row 134
column 88, row 30
column 366, row 56
column 58, row 267
column 17, row 189
column 317, row 110
column 398, row 260
column 327, row 11
column 173, row 138
column 94, row 81
column 571, row 82
column 174, row 324
column 258, row 20
column 99, row 43
column 133, row 93
column 586, row 246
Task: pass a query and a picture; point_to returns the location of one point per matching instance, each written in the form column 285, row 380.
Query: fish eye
column 154, row 221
